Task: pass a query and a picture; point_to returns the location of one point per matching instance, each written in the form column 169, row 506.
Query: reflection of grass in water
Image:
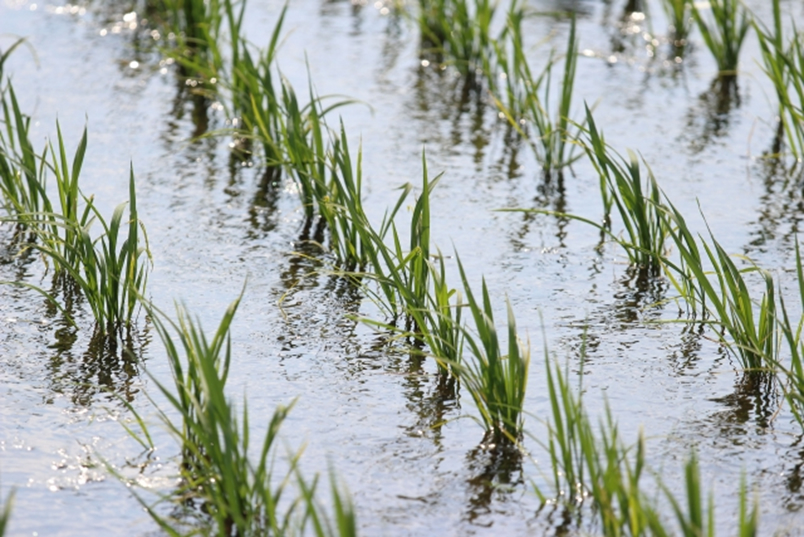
column 713, row 114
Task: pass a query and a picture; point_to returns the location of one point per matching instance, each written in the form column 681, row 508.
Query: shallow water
column 368, row 411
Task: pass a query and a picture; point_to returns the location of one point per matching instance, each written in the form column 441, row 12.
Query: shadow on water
column 431, row 399
column 755, row 400
column 780, row 207
column 109, row 367
column 262, row 215
column 441, row 96
column 638, row 299
column 567, row 8
column 710, row 117
column 793, row 500
column 687, row 354
column 640, row 295
column 550, row 196
column 495, row 473
column 628, row 32
column 319, row 304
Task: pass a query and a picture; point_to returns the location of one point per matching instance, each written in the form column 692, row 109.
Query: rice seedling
column 639, row 206
column 21, row 175
column 792, row 334
column 678, row 14
column 784, row 65
column 4, row 55
column 698, row 519
column 724, row 32
column 496, row 380
column 237, row 495
column 255, row 101
column 233, row 493
column 443, row 333
column 638, row 202
column 110, row 270
column 64, row 238
column 525, row 102
column 724, row 294
column 343, row 207
column 461, row 31
column 411, row 285
column 587, row 464
column 401, row 274
column 411, row 268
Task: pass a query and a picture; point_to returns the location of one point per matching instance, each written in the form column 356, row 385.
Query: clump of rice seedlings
column 401, row 274
column 410, row 268
column 194, row 30
column 443, row 334
column 495, row 379
column 525, row 99
column 305, row 148
column 64, row 238
column 596, row 465
column 331, row 185
column 255, row 102
column 724, row 32
column 784, row 65
column 343, row 207
column 238, row 496
column 411, row 284
column 638, row 204
column 724, row 294
column 235, row 494
column 585, row 466
column 21, row 181
column 792, row 334
column 111, row 270
column 678, row 14
column 460, row 31
column 637, row 201
column 699, row 519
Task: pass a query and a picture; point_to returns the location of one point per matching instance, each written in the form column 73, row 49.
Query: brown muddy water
column 409, row 457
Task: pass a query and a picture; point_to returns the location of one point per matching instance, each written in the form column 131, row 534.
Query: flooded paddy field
column 367, row 408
